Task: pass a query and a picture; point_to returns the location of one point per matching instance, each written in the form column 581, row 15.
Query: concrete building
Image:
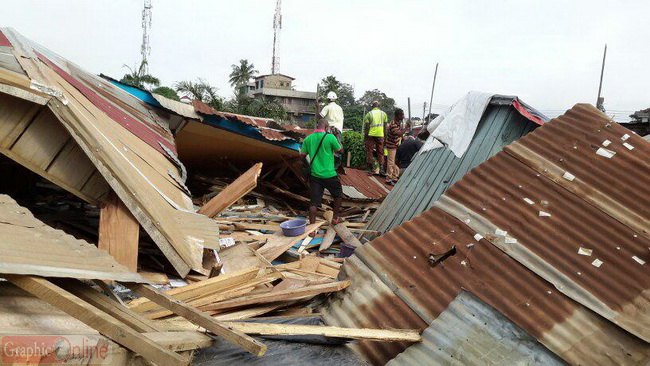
column 301, row 105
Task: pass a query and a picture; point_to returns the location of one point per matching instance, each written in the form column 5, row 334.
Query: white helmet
column 331, row 95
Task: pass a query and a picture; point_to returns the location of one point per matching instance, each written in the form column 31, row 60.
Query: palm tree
column 138, row 78
column 241, row 74
column 202, row 91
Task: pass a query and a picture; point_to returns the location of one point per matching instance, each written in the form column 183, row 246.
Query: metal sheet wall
column 431, row 173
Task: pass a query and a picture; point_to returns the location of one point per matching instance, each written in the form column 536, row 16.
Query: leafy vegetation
column 241, row 75
column 139, row 78
column 353, row 143
column 167, row 92
column 353, row 108
column 202, row 91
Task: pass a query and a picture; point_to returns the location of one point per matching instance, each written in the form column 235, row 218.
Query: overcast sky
column 547, row 52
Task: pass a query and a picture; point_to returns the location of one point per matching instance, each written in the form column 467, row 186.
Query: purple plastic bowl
column 293, row 227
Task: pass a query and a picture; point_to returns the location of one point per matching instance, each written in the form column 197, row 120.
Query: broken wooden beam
column 199, row 318
column 104, row 323
column 346, row 235
column 119, row 232
column 234, row 191
column 277, row 243
column 290, row 294
column 392, row 335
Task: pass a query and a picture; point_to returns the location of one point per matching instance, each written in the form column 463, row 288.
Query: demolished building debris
column 525, row 243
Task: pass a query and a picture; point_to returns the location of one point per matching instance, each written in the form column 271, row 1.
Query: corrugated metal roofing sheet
column 459, row 336
column 257, row 122
column 587, row 232
column 29, row 247
column 554, row 297
column 369, row 187
column 370, row 303
column 432, row 172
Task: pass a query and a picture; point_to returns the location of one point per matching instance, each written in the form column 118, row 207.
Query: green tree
column 353, row 143
column 344, row 91
column 353, row 117
column 241, row 75
column 202, row 91
column 266, row 108
column 167, row 92
column 138, row 78
column 386, row 103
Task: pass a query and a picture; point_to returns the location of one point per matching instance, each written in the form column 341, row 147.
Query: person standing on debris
column 334, row 115
column 375, row 129
column 394, row 134
column 321, row 146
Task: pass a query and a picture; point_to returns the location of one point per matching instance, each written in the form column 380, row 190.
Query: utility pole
column 435, row 74
column 277, row 26
column 424, row 110
column 409, row 104
column 600, row 101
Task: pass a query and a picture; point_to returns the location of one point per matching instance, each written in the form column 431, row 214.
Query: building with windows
column 301, row 105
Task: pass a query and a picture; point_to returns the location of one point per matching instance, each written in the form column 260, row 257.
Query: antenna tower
column 277, row 26
column 145, row 49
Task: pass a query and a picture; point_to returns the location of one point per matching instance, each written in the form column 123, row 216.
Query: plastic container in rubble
column 293, row 227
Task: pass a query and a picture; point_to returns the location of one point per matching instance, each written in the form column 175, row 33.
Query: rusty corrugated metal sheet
column 401, row 260
column 370, row 187
column 369, row 303
column 259, row 123
column 459, row 336
column 548, row 218
column 583, row 313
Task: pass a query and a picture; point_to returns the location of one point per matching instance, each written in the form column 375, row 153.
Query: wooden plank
column 109, row 306
column 119, row 232
column 239, row 257
column 199, row 318
column 181, row 341
column 346, row 235
column 278, row 243
column 392, row 335
column 198, row 289
column 328, row 239
column 41, row 142
column 291, row 294
column 97, row 319
column 234, row 191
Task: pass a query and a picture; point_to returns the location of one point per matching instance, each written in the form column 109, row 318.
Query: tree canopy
column 344, row 91
column 138, row 78
column 202, row 91
column 166, row 91
column 241, row 75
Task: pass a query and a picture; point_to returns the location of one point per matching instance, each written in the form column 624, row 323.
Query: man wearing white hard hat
column 333, row 113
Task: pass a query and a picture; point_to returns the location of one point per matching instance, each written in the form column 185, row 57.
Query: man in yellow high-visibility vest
column 375, row 129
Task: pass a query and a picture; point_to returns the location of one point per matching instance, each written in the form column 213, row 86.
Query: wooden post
column 119, row 232
column 349, row 159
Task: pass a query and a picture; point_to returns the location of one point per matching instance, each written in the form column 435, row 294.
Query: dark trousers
column 376, row 144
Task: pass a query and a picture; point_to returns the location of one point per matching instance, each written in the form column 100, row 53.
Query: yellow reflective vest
column 376, row 119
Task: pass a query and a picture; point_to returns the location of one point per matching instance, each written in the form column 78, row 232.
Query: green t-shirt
column 323, row 165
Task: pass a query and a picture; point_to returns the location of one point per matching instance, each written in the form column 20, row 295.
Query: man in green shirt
column 321, row 146
column 375, row 129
